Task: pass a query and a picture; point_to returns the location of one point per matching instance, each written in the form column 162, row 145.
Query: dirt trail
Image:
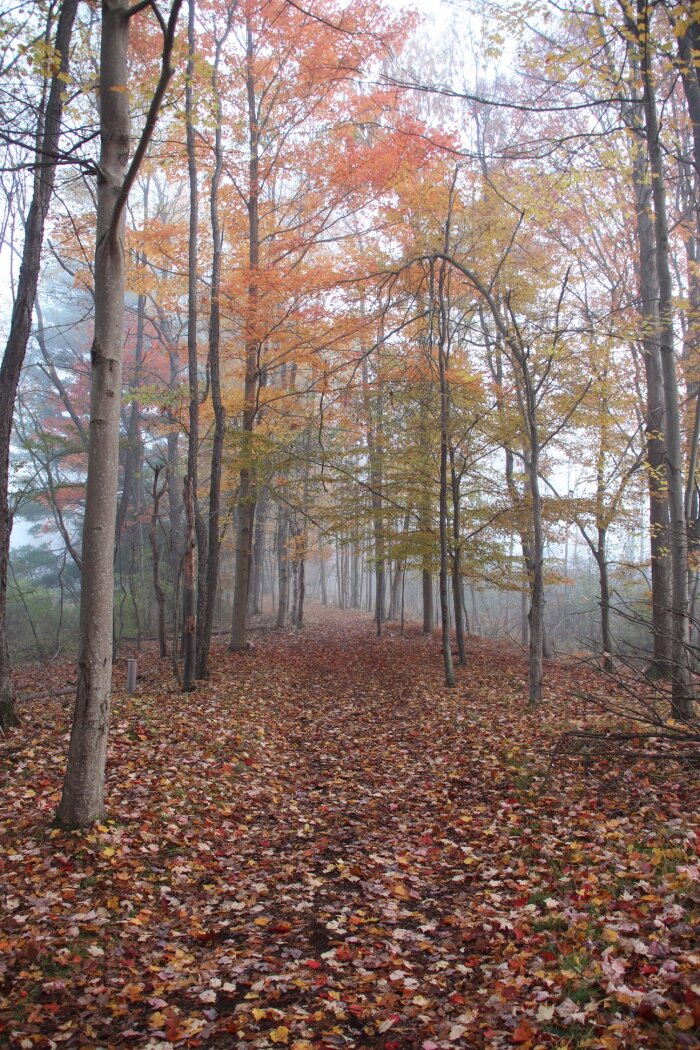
column 323, row 847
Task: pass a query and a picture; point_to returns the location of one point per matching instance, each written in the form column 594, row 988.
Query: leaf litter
column 324, row 848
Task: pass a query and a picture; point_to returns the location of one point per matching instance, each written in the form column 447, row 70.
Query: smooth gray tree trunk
column 681, row 685
column 82, row 800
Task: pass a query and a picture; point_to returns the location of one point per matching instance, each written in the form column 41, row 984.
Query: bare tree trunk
column 536, row 614
column 356, row 591
column 173, row 470
column 302, row 592
column 338, row 574
column 200, row 577
column 259, row 553
column 82, row 801
column 457, row 597
column 322, row 574
column 428, row 616
column 655, row 424
column 245, row 520
column 189, row 590
column 213, row 541
column 155, row 556
column 295, row 583
column 282, row 565
column 524, row 625
column 605, row 635
column 48, row 138
column 299, row 568
column 444, row 442
column 681, row 686
column 373, row 430
column 395, row 592
column 246, row 488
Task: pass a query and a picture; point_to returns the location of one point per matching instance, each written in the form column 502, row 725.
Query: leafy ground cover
column 323, row 847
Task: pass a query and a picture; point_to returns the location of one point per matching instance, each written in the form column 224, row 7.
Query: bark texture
column 681, row 687
column 246, row 488
column 82, row 800
column 48, row 140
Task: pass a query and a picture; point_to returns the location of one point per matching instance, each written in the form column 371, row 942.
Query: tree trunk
column 373, row 431
column 155, row 557
column 380, row 598
column 282, row 566
column 189, row 623
column 322, row 575
column 295, row 582
column 201, row 577
column 323, row 582
column 428, row 617
column 246, row 490
column 681, row 686
column 22, row 313
column 605, row 636
column 300, row 562
column 259, row 553
column 356, row 590
column 457, row 596
column 536, row 614
column 82, row 800
column 339, row 574
column 245, row 518
column 395, row 594
column 213, row 540
column 133, row 460
column 655, row 424
column 444, row 441
column 173, row 467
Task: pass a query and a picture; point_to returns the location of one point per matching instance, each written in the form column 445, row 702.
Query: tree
column 48, row 133
column 682, row 689
column 82, row 800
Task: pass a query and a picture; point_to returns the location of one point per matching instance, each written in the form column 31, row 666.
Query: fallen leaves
column 338, row 852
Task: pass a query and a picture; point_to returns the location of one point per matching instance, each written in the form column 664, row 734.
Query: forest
column 349, row 524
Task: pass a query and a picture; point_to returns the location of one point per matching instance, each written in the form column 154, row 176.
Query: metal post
column 131, row 676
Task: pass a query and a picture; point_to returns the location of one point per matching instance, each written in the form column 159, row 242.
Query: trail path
column 323, row 847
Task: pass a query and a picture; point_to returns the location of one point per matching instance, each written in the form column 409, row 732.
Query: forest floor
column 323, row 848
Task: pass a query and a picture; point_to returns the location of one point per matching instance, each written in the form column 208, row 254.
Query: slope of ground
column 323, row 847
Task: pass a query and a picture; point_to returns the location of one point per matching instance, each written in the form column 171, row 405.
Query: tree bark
column 356, row 589
column 282, row 566
column 322, row 572
column 48, row 139
column 457, row 595
column 189, row 585
column 602, row 563
column 444, row 443
column 681, row 685
column 655, row 423
column 427, row 590
column 83, row 790
column 82, row 800
column 157, row 494
column 259, row 553
column 373, row 429
column 194, row 592
column 246, row 488
column 213, row 542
